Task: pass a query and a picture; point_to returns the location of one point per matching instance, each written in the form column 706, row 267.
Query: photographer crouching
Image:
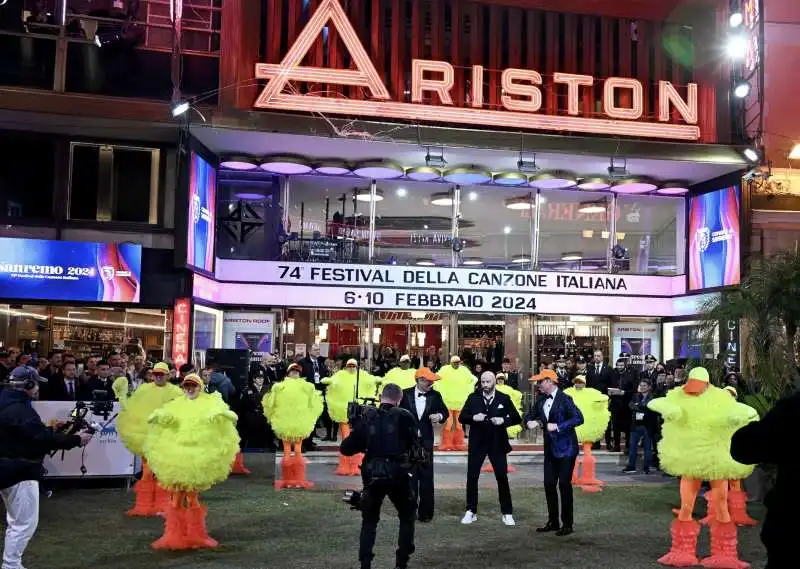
column 24, row 440
column 390, row 443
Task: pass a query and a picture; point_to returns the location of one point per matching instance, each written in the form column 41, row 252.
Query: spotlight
column 435, row 158
column 736, row 48
column 401, row 192
column 180, row 108
column 736, row 19
column 507, row 229
column 750, row 154
column 472, row 196
column 794, row 154
column 742, row 89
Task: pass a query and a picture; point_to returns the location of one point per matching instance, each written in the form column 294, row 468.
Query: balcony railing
column 123, row 50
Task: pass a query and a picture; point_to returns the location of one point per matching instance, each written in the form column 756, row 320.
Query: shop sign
column 730, row 341
column 181, row 337
column 461, row 279
column 521, row 92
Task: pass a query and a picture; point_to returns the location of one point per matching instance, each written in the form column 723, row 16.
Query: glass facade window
column 314, row 218
column 207, row 333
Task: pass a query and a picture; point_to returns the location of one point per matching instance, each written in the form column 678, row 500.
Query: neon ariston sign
column 521, row 95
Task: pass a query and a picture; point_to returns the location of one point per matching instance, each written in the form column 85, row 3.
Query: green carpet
column 623, row 527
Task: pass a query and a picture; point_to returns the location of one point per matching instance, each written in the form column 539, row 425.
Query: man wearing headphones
column 24, row 440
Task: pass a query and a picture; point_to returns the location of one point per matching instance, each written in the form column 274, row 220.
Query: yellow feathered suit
column 699, row 422
column 403, row 378
column 593, row 405
column 514, row 431
column 341, row 391
column 455, row 385
column 132, row 428
column 292, row 407
column 190, row 445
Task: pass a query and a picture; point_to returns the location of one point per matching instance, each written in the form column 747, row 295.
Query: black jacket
column 484, row 435
column 641, row 416
column 599, row 381
column 24, row 439
column 371, row 435
column 769, row 441
column 307, row 363
column 433, row 404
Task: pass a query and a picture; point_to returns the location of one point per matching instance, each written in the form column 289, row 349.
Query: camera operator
column 24, row 440
column 388, row 437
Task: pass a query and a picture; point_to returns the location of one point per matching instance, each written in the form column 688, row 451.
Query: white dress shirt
column 548, row 404
column 420, row 402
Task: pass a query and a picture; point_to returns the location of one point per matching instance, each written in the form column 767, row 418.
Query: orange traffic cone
column 487, row 467
column 238, row 466
column 588, row 482
column 576, row 470
column 684, row 545
column 724, row 548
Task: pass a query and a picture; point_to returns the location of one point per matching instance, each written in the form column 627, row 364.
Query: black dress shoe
column 548, row 527
column 564, row 531
column 425, row 520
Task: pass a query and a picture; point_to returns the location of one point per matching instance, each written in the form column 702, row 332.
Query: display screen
column 202, row 214
column 70, row 270
column 255, row 342
column 714, row 257
column 687, row 342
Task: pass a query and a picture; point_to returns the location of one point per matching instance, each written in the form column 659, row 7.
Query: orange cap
column 546, row 374
column 426, row 373
column 697, row 382
column 192, row 378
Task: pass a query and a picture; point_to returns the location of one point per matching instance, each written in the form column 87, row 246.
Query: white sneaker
column 468, row 518
column 508, row 520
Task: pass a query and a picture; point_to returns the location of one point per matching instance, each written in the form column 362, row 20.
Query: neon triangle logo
column 365, row 74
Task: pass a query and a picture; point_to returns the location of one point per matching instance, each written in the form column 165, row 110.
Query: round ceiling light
column 553, row 180
column 286, row 164
column 238, row 162
column 365, row 195
column 425, row 263
column 520, row 203
column 592, row 207
column 519, row 259
column 472, row 262
column 633, row 186
column 442, row 198
column 509, row 179
column 333, row 167
column 378, row 169
column 673, row 189
column 594, row 183
column 423, row 173
column 572, row 256
column 467, row 175
column 249, row 195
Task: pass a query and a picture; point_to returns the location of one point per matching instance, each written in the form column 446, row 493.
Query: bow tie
column 549, row 397
column 422, row 394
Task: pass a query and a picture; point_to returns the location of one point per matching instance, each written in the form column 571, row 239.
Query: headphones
column 29, row 384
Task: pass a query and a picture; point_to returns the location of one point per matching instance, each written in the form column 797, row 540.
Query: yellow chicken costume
column 190, row 446
column 699, row 422
column 593, row 405
column 292, row 407
column 514, row 431
column 455, row 385
column 402, row 376
column 341, row 391
column 151, row 498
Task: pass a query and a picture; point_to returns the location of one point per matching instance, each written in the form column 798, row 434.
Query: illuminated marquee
column 521, row 94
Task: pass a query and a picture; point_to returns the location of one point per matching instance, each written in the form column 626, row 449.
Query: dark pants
column 331, row 427
column 641, row 433
column 558, row 479
column 499, row 463
column 619, row 424
column 423, row 485
column 401, row 493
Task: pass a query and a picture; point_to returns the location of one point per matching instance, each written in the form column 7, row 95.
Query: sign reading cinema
column 521, row 95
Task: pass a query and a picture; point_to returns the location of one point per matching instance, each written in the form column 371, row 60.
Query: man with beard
column 489, row 413
column 562, row 372
column 512, row 376
column 620, row 393
column 649, row 372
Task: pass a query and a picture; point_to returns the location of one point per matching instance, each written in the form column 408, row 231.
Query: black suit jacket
column 433, row 404
column 599, row 381
column 308, row 370
column 484, row 436
column 562, row 443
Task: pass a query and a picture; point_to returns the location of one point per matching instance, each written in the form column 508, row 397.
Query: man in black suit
column 599, row 375
column 620, row 393
column 562, row 371
column 649, row 372
column 427, row 407
column 66, row 386
column 489, row 413
column 557, row 415
column 314, row 371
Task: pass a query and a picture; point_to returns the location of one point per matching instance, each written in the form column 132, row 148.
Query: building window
column 113, row 183
column 27, row 167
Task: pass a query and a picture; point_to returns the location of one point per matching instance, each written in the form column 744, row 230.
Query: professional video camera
column 100, row 405
column 355, row 410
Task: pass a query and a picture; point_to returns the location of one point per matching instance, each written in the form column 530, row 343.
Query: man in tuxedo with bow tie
column 557, row 415
column 489, row 413
column 427, row 407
